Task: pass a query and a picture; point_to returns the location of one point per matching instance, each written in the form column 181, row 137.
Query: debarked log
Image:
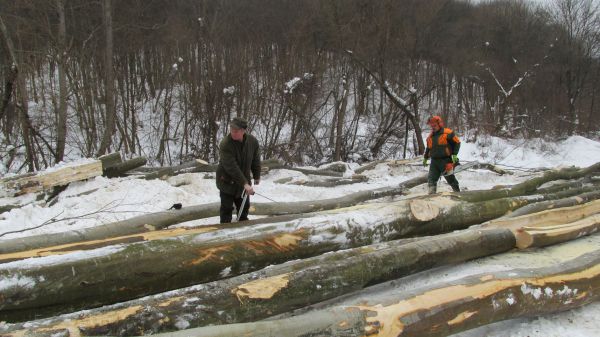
column 548, row 235
column 112, row 274
column 439, row 310
column 277, row 289
column 551, row 217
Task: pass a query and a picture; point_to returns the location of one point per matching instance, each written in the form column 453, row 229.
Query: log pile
column 217, row 274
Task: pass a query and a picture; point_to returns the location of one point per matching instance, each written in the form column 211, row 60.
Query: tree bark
column 280, row 288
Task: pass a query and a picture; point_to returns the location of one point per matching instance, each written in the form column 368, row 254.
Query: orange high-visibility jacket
column 442, row 144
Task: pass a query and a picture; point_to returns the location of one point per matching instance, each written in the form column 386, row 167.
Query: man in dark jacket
column 239, row 155
column 442, row 148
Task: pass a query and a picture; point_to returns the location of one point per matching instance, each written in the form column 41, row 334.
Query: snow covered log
column 439, row 310
column 45, row 180
column 277, row 289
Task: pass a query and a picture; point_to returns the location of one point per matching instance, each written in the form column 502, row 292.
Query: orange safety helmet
column 436, row 120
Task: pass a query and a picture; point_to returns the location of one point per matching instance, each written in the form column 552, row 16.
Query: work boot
column 432, row 189
column 455, row 188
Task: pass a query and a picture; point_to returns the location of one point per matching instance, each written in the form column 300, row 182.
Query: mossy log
column 277, row 289
column 439, row 310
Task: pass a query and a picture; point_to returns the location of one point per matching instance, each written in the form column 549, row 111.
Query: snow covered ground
column 101, row 200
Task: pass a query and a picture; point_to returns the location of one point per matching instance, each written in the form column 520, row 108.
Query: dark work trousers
column 436, row 169
column 227, row 202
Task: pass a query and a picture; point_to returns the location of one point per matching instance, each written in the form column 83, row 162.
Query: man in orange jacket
column 442, row 147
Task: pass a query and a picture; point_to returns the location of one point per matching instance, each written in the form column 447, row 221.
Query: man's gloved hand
column 454, row 159
column 425, row 162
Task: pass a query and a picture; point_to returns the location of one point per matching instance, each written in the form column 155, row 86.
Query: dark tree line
column 319, row 80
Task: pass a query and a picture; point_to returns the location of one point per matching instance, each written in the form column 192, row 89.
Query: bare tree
column 109, row 96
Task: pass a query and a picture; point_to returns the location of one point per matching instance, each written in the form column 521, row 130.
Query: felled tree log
column 46, row 180
column 439, row 310
column 277, row 289
column 548, row 235
column 109, row 276
column 559, row 203
column 192, row 166
column 552, row 217
column 333, row 182
column 530, row 186
column 119, row 170
column 374, row 164
column 111, row 159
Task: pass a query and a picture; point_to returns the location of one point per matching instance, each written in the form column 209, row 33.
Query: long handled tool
column 241, row 209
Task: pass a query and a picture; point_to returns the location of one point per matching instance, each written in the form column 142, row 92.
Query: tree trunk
column 281, row 288
column 109, row 95
column 61, row 127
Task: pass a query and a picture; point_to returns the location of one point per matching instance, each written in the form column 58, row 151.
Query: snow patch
column 17, row 281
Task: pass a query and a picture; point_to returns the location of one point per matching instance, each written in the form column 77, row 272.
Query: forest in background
column 318, row 80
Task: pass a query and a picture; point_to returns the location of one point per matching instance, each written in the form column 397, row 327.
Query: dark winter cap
column 239, row 123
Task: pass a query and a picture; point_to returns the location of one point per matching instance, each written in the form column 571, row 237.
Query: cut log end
column 424, row 210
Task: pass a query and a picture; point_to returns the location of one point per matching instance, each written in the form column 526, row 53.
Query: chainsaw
column 455, row 168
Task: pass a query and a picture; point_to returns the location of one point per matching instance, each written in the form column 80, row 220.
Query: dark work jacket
column 442, row 144
column 236, row 161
